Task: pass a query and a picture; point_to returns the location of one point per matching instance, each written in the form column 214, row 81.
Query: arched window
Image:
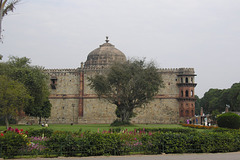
column 192, row 113
column 187, row 113
column 181, row 80
column 186, row 79
column 186, row 93
column 181, row 113
column 181, row 93
column 192, row 93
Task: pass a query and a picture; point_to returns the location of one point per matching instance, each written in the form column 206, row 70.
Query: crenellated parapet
column 179, row 71
column 60, row 70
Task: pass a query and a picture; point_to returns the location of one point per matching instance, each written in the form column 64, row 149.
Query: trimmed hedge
column 229, row 120
column 164, row 130
column 45, row 132
column 86, row 144
column 148, row 141
column 190, row 143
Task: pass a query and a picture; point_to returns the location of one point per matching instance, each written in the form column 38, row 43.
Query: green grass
column 90, row 127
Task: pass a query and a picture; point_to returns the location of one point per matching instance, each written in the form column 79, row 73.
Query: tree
column 13, row 97
column 5, row 7
column 217, row 99
column 234, row 97
column 45, row 111
column 127, row 85
column 197, row 105
column 1, row 57
column 211, row 101
column 34, row 79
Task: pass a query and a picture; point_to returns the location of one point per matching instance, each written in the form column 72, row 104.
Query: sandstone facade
column 74, row 102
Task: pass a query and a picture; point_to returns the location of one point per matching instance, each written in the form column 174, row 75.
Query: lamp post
column 73, row 112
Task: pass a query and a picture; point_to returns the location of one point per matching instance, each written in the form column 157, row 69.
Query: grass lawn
column 90, row 127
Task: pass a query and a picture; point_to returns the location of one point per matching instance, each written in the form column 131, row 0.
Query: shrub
column 190, row 143
column 229, row 120
column 12, row 141
column 164, row 130
column 198, row 126
column 45, row 132
column 86, row 144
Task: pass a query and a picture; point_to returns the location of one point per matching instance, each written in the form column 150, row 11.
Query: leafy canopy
column 13, row 97
column 34, row 79
column 128, row 85
column 217, row 99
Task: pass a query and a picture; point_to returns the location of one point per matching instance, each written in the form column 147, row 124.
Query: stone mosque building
column 74, row 102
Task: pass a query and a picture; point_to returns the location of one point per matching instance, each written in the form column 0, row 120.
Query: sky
column 199, row 34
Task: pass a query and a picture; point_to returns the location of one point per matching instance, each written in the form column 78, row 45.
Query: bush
column 164, row 130
column 190, row 143
column 46, row 132
column 85, row 144
column 229, row 120
column 12, row 142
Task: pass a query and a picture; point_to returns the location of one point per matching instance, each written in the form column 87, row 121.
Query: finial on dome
column 107, row 39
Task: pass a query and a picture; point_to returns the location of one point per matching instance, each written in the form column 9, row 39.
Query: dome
column 104, row 56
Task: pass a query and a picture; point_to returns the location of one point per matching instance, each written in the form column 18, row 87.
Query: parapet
column 178, row 71
column 60, row 70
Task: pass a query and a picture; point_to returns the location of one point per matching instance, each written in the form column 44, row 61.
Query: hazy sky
column 200, row 34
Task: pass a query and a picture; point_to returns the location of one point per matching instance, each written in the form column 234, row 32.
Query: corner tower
column 186, row 98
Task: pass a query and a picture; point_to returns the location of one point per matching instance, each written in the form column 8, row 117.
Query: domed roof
column 104, row 56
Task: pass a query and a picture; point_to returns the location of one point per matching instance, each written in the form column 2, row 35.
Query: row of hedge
column 107, row 143
column 94, row 144
column 164, row 130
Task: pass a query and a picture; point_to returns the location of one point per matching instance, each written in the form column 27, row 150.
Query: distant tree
column 234, row 97
column 1, row 57
column 13, row 97
column 217, row 99
column 45, row 111
column 211, row 101
column 128, row 85
column 197, row 105
column 34, row 79
column 214, row 116
column 5, row 7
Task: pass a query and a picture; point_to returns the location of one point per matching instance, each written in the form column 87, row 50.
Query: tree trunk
column 40, row 120
column 6, row 122
column 1, row 18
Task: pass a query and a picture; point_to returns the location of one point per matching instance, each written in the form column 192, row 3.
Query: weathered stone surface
column 73, row 101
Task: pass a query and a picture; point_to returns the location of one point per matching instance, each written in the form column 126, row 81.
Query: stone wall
column 65, row 99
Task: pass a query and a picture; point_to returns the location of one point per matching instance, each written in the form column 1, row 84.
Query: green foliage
column 164, row 130
column 234, row 97
column 229, row 120
column 216, row 99
column 34, row 80
column 45, row 132
column 197, row 105
column 11, row 144
column 87, row 144
column 13, row 97
column 128, row 85
column 210, row 101
column 190, row 143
